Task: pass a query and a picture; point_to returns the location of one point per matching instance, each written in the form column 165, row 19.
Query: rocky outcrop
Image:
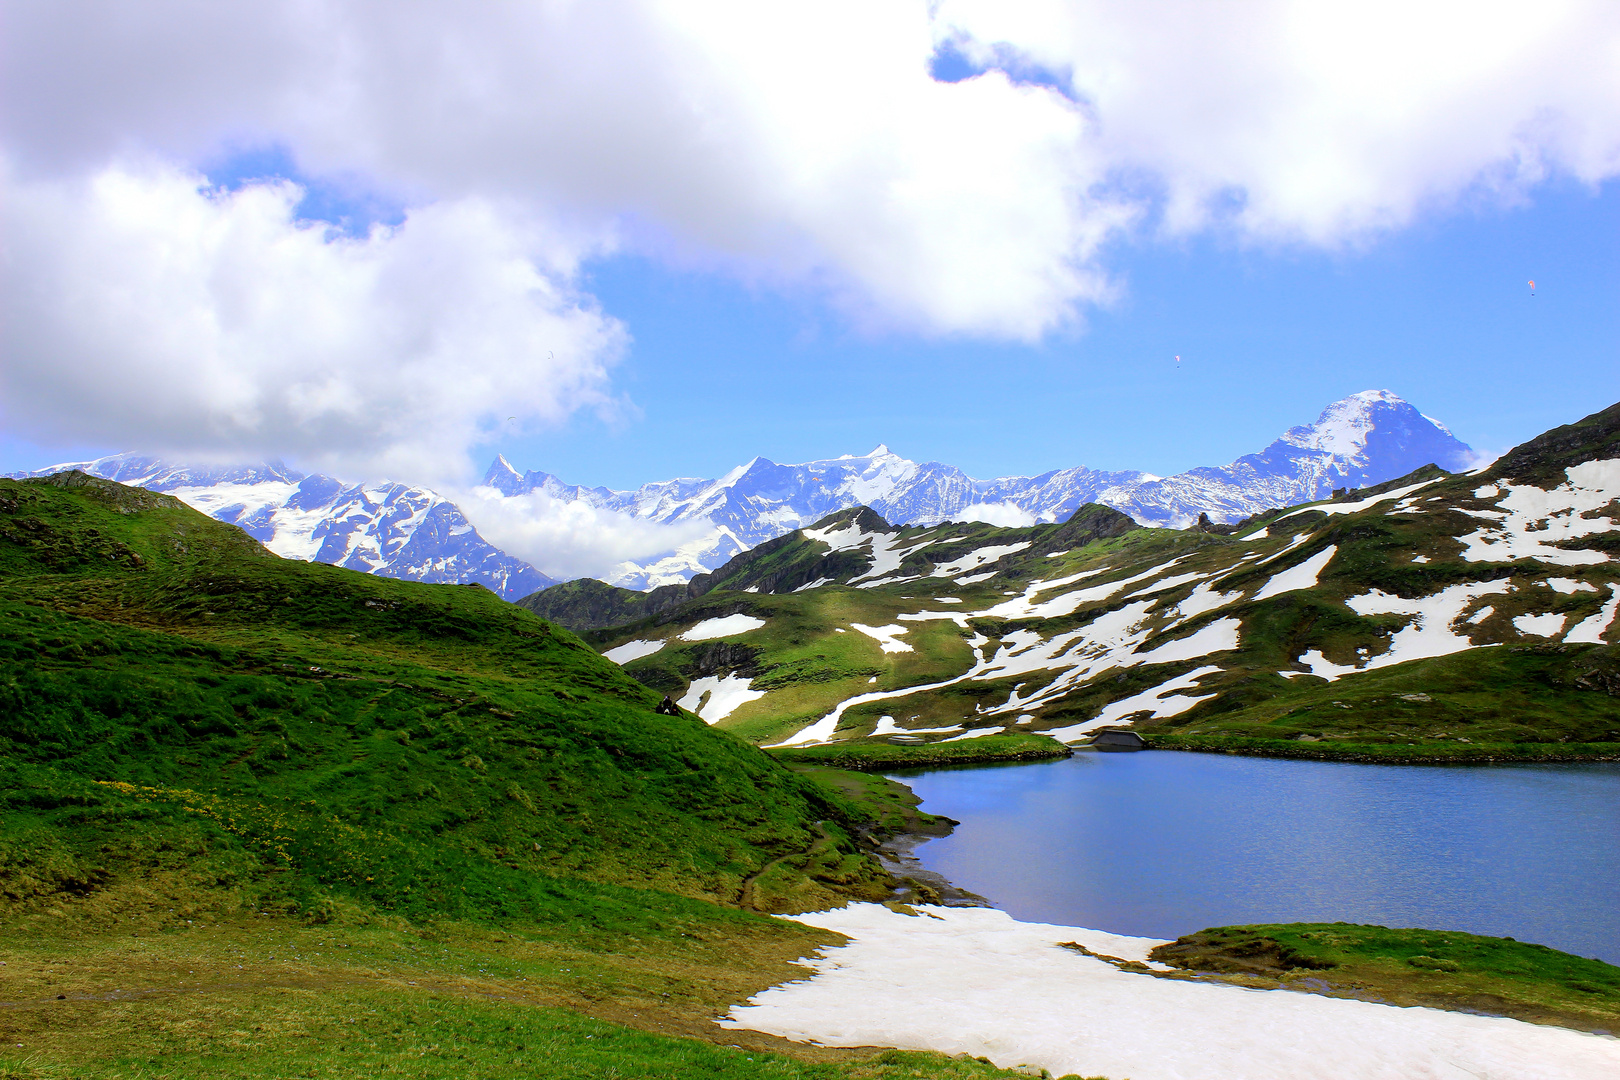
column 1543, row 459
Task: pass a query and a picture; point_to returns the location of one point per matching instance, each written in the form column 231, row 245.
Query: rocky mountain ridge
column 1356, row 442
column 390, row 529
column 411, row 532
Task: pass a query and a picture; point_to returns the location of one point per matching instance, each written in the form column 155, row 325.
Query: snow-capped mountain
column 410, row 532
column 1364, row 439
column 390, row 529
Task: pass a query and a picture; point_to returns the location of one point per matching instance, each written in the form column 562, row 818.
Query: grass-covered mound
column 1434, row 968
column 1547, row 702
column 317, row 732
column 866, row 756
column 257, row 814
column 155, row 994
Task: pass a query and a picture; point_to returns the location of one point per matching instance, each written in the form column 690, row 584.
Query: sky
column 622, row 241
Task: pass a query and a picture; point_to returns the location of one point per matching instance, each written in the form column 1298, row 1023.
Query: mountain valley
column 266, row 815
column 1454, row 616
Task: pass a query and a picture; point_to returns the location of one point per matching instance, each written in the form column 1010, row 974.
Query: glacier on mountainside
column 390, row 529
column 1364, row 439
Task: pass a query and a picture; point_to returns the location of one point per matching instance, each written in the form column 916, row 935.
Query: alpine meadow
column 932, row 540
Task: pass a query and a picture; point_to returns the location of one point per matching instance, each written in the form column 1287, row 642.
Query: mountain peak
column 503, row 476
column 1370, row 397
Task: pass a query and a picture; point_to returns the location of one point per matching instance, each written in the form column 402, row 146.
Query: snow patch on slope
column 1298, row 577
column 726, row 626
column 1430, row 631
column 713, row 697
column 1592, row 629
column 1534, row 520
column 632, row 650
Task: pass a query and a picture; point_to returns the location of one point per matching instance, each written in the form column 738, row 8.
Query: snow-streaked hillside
column 1364, row 439
column 1328, row 620
column 390, row 529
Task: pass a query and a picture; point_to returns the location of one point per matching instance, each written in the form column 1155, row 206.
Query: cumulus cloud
column 571, row 538
column 1005, row 515
column 801, row 143
column 137, row 306
column 1318, row 122
column 799, row 146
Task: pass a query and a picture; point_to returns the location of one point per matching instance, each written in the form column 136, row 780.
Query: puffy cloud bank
column 802, row 146
column 570, row 538
column 1006, row 515
column 137, row 306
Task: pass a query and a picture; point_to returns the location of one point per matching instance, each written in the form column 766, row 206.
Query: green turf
column 877, row 754
column 425, row 748
column 195, row 731
column 1440, row 969
column 257, row 998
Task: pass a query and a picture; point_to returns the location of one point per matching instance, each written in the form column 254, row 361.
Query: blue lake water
column 1159, row 843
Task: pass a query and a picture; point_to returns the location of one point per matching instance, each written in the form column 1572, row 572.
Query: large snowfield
column 977, row 981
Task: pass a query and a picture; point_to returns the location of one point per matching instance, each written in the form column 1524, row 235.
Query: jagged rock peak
column 863, row 517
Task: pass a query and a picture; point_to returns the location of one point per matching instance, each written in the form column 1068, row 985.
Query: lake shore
column 1428, row 752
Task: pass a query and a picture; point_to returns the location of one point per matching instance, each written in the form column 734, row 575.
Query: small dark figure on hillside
column 667, row 707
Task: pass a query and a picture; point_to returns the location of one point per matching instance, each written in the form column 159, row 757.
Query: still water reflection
column 1160, row 843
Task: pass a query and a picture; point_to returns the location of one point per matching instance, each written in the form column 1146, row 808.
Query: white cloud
column 1328, row 120
column 801, row 146
column 571, row 538
column 810, row 143
column 140, row 309
column 1006, row 515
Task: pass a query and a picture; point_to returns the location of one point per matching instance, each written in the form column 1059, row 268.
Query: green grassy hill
column 425, row 747
column 263, row 818
column 1435, row 617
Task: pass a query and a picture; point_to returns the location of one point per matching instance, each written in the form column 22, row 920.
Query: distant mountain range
column 1446, row 616
column 1362, row 440
column 394, row 530
column 402, row 531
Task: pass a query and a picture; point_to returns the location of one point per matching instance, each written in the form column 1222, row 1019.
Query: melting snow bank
column 709, row 629
column 633, row 650
column 974, row 980
column 724, row 696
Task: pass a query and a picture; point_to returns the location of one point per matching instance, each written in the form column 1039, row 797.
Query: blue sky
column 1440, row 313
column 629, row 242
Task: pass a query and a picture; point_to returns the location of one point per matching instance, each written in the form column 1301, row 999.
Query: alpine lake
column 1163, row 843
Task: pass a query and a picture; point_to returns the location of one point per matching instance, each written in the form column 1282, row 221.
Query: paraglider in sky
column 1178, row 359
column 1532, row 288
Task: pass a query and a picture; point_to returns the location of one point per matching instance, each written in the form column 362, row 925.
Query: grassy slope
column 1524, row 698
column 237, row 996
column 1520, row 699
column 405, row 745
column 196, row 734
